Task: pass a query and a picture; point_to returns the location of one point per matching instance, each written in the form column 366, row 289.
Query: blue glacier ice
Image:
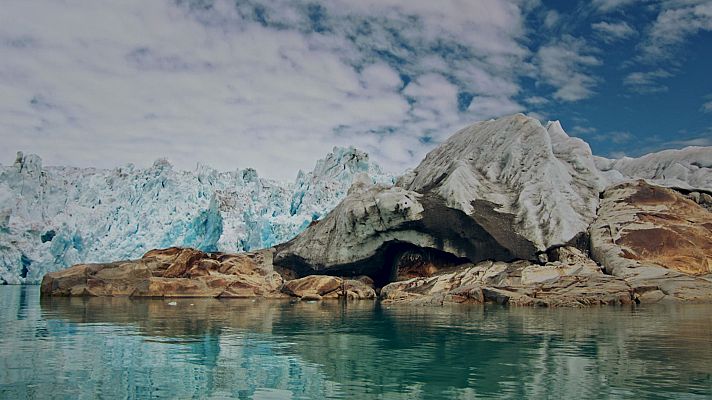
column 53, row 217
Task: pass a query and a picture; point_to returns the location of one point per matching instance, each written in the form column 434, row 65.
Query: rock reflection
column 208, row 348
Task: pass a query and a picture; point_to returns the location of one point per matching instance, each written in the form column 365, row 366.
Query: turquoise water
column 205, row 348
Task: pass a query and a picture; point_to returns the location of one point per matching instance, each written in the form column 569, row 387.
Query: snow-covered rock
column 688, row 168
column 515, row 169
column 53, row 217
column 502, row 189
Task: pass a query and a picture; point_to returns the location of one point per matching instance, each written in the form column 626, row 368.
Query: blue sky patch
column 276, row 84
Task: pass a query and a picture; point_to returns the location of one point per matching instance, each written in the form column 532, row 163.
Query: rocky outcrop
column 656, row 239
column 573, row 281
column 178, row 272
column 172, row 272
column 317, row 287
column 641, row 224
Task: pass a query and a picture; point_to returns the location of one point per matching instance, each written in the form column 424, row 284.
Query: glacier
column 688, row 168
column 54, row 217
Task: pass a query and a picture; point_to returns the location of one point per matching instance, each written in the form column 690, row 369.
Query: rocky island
column 508, row 211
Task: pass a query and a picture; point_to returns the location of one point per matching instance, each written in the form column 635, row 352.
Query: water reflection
column 207, row 348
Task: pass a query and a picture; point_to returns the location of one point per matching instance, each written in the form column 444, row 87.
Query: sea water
column 120, row 348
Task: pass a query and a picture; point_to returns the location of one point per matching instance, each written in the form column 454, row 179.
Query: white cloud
column 674, row 24
column 264, row 85
column 617, row 137
column 381, row 76
column 536, row 100
column 613, row 31
column 647, row 82
column 485, row 107
column 583, row 130
column 551, row 18
column 700, row 141
column 707, row 107
column 606, row 6
column 564, row 65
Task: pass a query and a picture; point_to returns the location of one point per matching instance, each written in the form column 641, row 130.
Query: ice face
column 688, row 168
column 53, row 217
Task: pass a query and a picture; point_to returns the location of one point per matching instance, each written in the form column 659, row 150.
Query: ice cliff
column 53, row 217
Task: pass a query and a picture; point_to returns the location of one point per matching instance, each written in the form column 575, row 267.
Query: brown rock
column 571, row 281
column 171, row 272
column 319, row 284
column 183, row 263
column 329, row 287
column 656, row 239
column 169, row 253
column 415, row 263
column 311, row 297
column 59, row 283
column 653, row 225
column 359, row 289
column 472, row 294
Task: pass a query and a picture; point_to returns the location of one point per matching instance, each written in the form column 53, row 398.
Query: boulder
column 359, row 289
column 574, row 282
column 319, row 284
column 324, row 286
column 172, row 272
column 655, row 238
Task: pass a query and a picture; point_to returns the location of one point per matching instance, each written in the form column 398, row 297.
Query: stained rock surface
column 317, row 287
column 657, row 239
column 179, row 272
column 573, row 281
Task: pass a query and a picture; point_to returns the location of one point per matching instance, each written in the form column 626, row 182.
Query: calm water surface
column 205, row 348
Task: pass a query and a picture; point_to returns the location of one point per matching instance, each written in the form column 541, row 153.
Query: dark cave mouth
column 394, row 261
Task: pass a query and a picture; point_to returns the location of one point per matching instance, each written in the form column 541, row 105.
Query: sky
column 274, row 85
